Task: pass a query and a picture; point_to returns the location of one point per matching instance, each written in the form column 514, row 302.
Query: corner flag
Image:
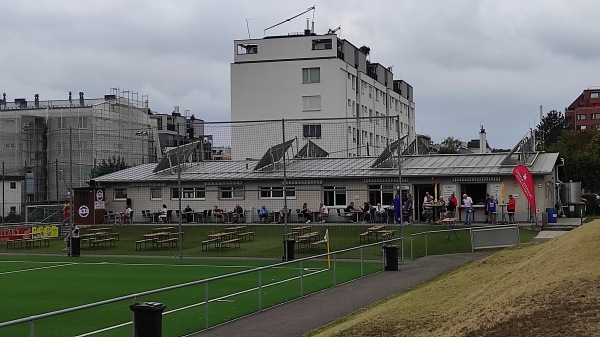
column 326, row 238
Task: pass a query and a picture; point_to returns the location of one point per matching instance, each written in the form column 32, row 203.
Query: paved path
column 299, row 317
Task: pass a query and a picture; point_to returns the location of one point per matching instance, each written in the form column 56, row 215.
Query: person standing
column 491, row 207
column 66, row 212
column 468, row 202
column 486, row 210
column 397, row 208
column 450, row 207
column 511, row 208
column 408, row 208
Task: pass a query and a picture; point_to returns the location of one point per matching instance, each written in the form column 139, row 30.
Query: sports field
column 34, row 285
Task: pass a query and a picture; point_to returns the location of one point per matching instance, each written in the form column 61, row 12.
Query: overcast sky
column 470, row 62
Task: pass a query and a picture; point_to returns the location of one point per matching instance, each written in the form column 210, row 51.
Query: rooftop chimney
column 307, row 30
column 482, row 141
column 37, row 100
column 70, row 99
column 81, row 100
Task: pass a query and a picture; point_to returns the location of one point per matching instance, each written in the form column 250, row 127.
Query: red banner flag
column 525, row 180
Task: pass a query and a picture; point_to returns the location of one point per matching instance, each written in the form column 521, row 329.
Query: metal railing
column 205, row 282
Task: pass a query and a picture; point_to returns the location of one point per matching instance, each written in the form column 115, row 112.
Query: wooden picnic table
column 307, row 238
column 302, row 229
column 100, row 229
column 235, row 228
column 163, row 229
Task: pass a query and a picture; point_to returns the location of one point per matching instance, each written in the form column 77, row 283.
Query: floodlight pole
column 3, row 189
column 72, row 207
column 179, row 193
column 285, row 208
column 400, row 176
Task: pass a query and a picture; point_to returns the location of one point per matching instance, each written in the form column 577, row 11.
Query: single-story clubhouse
column 334, row 181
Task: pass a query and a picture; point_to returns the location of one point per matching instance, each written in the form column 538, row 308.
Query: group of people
column 444, row 208
column 322, row 214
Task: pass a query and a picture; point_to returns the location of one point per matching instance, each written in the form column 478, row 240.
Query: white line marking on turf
column 33, row 269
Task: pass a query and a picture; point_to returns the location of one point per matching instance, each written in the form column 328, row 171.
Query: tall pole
column 72, row 207
column 3, row 189
column 285, row 208
column 180, row 239
column 400, row 175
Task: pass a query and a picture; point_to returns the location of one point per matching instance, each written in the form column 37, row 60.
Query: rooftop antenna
column 293, row 17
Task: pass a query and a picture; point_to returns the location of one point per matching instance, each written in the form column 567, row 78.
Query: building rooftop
column 332, row 168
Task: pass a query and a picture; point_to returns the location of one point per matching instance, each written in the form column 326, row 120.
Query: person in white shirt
column 468, row 202
column 323, row 213
column 381, row 212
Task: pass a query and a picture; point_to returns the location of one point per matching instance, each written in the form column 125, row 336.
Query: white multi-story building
column 314, row 77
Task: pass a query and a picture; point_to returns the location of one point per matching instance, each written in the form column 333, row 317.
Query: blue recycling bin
column 552, row 215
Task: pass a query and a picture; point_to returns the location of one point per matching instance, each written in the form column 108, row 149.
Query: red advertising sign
column 525, row 180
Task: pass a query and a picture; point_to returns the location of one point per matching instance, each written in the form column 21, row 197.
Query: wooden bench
column 115, row 235
column 171, row 242
column 226, row 244
column 30, row 243
column 13, row 241
column 139, row 243
column 246, row 235
column 106, row 242
column 319, row 244
column 387, row 234
column 364, row 237
column 205, row 243
column 449, row 221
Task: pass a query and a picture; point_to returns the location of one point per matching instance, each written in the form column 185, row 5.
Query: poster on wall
column 447, row 190
column 495, row 190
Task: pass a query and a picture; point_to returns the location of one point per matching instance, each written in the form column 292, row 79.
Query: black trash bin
column 75, row 246
column 288, row 249
column 147, row 319
column 391, row 258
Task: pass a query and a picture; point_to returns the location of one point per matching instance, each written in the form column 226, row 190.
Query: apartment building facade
column 312, row 77
column 584, row 112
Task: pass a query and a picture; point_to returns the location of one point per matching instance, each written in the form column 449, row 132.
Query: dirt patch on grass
column 548, row 289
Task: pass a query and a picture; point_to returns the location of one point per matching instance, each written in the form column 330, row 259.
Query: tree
column 450, row 146
column 551, row 127
column 111, row 165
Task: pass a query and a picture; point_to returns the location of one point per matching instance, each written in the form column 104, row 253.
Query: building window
column 371, row 91
column 231, row 192
column 276, row 192
column 311, row 103
column 594, row 94
column 349, row 102
column 582, row 127
column 82, row 122
column 383, row 194
column 156, row 194
column 353, row 82
column 377, row 95
column 353, row 109
column 311, row 131
column 13, row 185
column 334, row 195
column 189, row 193
column 597, row 126
column 13, row 209
column 581, row 117
column 321, row 44
column 120, row 194
column 311, row 75
column 9, row 146
column 243, row 49
column 595, row 116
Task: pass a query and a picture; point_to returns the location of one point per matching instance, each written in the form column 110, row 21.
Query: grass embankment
column 548, row 289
